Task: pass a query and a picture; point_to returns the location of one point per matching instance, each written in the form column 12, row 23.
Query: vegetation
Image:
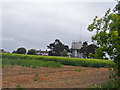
column 77, row 70
column 107, row 35
column 110, row 84
column 57, row 48
column 32, row 52
column 29, row 63
column 107, row 38
column 31, row 59
column 64, row 53
column 87, row 49
column 21, row 50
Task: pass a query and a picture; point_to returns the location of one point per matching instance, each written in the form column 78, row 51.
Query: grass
column 6, row 66
column 18, row 87
column 29, row 63
column 77, row 70
column 36, row 74
column 45, row 75
column 35, row 79
column 109, row 84
column 63, row 60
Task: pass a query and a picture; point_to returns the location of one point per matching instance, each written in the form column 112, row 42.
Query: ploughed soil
column 44, row 77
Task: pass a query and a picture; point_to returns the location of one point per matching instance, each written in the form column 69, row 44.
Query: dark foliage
column 57, row 48
column 32, row 52
column 87, row 49
column 21, row 50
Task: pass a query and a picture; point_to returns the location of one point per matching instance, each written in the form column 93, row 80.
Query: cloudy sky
column 37, row 24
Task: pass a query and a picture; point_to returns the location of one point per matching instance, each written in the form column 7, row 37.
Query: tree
column 87, row 49
column 21, row 50
column 32, row 52
column 91, row 49
column 64, row 53
column 107, row 36
column 14, row 52
column 56, row 48
column 83, row 49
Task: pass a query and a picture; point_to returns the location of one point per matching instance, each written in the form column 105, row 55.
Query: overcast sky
column 37, row 24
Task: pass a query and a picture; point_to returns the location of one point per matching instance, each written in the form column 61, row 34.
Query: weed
column 36, row 74
column 77, row 70
column 35, row 79
column 19, row 87
column 45, row 75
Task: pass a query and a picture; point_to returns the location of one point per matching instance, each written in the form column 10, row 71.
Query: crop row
column 63, row 60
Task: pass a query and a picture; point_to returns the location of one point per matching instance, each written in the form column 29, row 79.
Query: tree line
column 57, row 48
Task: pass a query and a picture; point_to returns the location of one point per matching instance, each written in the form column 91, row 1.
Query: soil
column 44, row 77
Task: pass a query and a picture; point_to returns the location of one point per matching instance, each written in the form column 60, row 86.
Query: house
column 75, row 49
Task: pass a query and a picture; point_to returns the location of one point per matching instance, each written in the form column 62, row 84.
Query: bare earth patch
column 44, row 77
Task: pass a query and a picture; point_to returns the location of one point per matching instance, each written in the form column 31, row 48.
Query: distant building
column 75, row 49
column 3, row 51
column 44, row 53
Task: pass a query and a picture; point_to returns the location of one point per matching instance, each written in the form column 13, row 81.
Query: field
column 45, row 77
column 62, row 60
column 32, row 71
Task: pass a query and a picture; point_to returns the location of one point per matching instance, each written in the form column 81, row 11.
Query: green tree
column 107, row 36
column 14, row 52
column 86, row 49
column 57, row 47
column 32, row 52
column 21, row 50
column 91, row 49
column 83, row 49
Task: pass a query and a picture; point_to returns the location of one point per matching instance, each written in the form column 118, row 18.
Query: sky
column 34, row 25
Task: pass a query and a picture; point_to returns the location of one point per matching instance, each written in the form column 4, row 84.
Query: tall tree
column 57, row 48
column 87, row 49
column 83, row 49
column 91, row 49
column 107, row 36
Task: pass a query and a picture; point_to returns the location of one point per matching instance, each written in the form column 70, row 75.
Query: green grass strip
column 30, row 63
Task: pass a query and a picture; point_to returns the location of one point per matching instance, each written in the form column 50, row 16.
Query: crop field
column 33, row 71
column 24, row 59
